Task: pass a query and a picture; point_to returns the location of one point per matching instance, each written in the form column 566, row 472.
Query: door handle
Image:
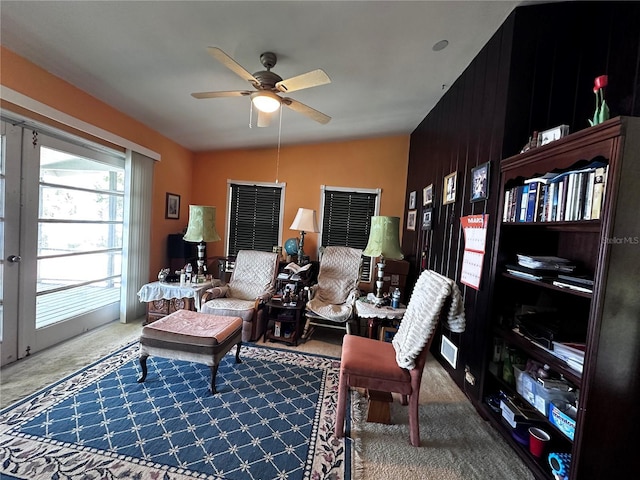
column 14, row 259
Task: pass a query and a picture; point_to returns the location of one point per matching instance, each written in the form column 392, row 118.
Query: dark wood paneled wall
column 535, row 73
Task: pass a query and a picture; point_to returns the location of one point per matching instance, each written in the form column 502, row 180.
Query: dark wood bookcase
column 606, row 320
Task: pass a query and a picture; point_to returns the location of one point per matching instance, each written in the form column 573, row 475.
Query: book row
column 558, row 197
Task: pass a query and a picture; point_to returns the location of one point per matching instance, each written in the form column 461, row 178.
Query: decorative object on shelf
column 291, row 246
column 172, row 209
column 305, row 221
column 411, row 219
column 384, row 242
column 449, row 189
column 412, row 200
column 560, row 464
column 427, row 196
column 602, row 109
column 201, row 228
column 480, row 182
column 553, row 134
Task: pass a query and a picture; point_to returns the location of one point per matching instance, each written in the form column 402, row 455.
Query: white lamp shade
column 266, row 101
column 384, row 238
column 202, row 224
column 305, row 221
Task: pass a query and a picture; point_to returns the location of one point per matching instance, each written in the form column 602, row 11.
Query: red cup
column 538, row 440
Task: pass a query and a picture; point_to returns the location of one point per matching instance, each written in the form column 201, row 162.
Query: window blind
column 346, row 221
column 254, row 220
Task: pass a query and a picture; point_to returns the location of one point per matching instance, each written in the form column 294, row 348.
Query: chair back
column 339, row 274
column 429, row 295
column 254, row 275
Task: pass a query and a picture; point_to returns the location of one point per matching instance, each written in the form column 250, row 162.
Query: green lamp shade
column 202, row 224
column 384, row 238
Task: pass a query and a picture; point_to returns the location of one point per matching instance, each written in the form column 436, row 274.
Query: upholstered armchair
column 251, row 284
column 333, row 298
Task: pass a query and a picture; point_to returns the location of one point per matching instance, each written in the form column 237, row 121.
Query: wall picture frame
column 480, row 182
column 449, row 188
column 411, row 219
column 172, row 207
column 412, row 200
column 427, row 215
column 427, row 196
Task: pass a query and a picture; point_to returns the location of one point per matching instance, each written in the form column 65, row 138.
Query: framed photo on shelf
column 427, row 195
column 480, row 182
column 172, row 209
column 449, row 188
column 411, row 220
column 426, row 218
column 412, row 200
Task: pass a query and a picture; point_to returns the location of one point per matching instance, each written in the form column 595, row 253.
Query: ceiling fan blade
column 314, row 78
column 231, row 93
column 306, row 110
column 264, row 118
column 232, row 65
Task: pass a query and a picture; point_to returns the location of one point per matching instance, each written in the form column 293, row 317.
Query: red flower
column 601, row 82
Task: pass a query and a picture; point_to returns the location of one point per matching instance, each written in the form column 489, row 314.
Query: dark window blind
column 346, row 221
column 254, row 222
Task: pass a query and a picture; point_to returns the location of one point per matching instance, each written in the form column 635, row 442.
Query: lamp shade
column 266, row 101
column 384, row 238
column 305, row 221
column 202, row 224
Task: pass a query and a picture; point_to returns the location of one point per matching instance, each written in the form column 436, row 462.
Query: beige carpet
column 456, row 443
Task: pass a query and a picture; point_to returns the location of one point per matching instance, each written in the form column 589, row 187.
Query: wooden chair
column 398, row 366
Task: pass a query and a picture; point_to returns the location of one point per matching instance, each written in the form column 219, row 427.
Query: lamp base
column 380, row 283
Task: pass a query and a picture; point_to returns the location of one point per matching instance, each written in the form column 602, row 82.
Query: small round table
column 376, row 315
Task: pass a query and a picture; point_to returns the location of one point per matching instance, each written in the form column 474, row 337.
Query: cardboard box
column 564, row 422
column 395, row 275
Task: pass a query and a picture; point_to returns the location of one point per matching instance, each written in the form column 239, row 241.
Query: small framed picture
column 426, row 218
column 412, row 200
column 480, row 182
column 553, row 134
column 449, row 188
column 411, row 220
column 173, row 206
column 427, row 195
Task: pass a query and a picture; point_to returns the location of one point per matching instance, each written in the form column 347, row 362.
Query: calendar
column 475, row 240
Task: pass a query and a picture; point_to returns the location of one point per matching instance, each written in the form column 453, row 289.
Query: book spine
column 598, row 193
column 505, row 206
column 588, row 199
column 532, row 200
column 522, row 215
column 553, row 202
column 569, row 203
column 542, row 200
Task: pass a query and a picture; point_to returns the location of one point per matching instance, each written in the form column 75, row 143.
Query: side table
column 376, row 315
column 165, row 298
column 285, row 318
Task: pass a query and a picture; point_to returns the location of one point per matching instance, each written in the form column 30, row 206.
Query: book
column 532, row 201
column 524, row 195
column 295, row 268
column 598, row 192
column 572, row 286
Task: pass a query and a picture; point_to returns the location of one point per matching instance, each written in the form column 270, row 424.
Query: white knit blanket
column 423, row 311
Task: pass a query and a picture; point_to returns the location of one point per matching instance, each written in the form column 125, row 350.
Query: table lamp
column 305, row 221
column 202, row 229
column 383, row 242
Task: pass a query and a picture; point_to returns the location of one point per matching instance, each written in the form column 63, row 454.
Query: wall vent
column 449, row 351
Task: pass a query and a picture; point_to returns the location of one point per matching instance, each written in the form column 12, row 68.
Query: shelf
column 546, row 284
column 576, row 225
column 539, row 353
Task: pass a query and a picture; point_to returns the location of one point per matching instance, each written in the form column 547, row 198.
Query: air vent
column 449, row 351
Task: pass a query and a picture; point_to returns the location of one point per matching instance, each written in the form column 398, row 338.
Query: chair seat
column 372, row 364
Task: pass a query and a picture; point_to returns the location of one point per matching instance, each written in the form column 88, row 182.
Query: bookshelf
column 603, row 320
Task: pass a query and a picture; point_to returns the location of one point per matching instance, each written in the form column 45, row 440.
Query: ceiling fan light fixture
column 266, row 101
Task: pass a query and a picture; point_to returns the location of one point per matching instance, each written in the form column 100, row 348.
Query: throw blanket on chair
column 427, row 299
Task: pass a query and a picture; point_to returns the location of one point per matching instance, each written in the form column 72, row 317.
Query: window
column 255, row 217
column 346, row 219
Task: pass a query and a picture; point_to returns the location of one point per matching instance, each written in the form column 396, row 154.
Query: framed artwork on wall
column 426, row 218
column 411, row 220
column 172, row 209
column 412, row 200
column 449, row 188
column 480, row 182
column 427, row 195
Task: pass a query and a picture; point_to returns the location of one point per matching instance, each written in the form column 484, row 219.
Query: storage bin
column 545, row 396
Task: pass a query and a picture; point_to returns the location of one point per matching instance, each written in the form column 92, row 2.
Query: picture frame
column 449, row 188
column 427, row 196
column 480, row 182
column 412, row 200
column 172, row 206
column 555, row 133
column 411, row 219
column 427, row 215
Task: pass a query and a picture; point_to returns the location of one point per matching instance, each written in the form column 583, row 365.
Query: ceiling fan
column 267, row 85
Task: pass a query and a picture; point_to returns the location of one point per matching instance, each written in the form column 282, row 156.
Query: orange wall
column 171, row 174
column 369, row 163
column 201, row 178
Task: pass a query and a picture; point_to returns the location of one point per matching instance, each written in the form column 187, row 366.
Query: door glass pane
column 2, row 203
column 80, row 228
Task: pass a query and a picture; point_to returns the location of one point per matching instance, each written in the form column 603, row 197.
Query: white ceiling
column 146, row 58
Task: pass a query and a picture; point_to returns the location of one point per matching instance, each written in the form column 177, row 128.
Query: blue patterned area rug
column 273, row 418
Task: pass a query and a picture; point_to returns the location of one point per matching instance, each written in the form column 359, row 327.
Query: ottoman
column 191, row 336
